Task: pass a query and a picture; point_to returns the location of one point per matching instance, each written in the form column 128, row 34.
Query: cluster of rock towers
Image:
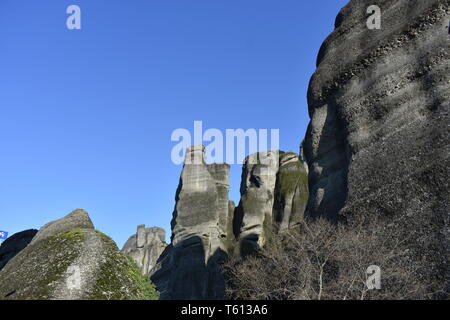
column 207, row 227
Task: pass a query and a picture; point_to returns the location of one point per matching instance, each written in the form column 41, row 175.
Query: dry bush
column 322, row 260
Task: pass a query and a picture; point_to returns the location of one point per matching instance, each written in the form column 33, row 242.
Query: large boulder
column 14, row 244
column 69, row 259
column 145, row 247
column 190, row 267
column 377, row 143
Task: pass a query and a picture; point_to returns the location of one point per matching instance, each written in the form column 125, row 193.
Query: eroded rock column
column 189, row 269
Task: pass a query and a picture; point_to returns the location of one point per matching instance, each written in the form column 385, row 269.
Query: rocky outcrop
column 68, row 259
column 14, row 244
column 206, row 226
column 274, row 194
column 189, row 267
column 376, row 147
column 377, row 143
column 76, row 219
column 145, row 247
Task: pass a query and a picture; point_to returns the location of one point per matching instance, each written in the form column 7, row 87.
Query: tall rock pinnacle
column 189, row 269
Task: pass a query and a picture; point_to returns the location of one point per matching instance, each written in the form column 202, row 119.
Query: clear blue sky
column 86, row 115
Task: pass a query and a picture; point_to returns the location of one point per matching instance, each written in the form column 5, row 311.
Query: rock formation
column 14, row 244
column 274, row 194
column 189, row 267
column 77, row 219
column 377, row 143
column 68, row 259
column 145, row 247
column 206, row 226
column 291, row 192
column 376, row 147
column 254, row 212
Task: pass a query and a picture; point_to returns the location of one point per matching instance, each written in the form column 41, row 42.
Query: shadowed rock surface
column 291, row 192
column 377, row 143
column 145, row 247
column 68, row 259
column 14, row 244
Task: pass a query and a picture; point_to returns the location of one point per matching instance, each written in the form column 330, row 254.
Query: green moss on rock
column 35, row 271
column 291, row 176
column 119, row 278
column 291, row 195
column 39, row 271
column 71, row 235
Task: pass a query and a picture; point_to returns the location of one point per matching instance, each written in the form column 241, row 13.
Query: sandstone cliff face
column 68, row 259
column 14, row 244
column 189, row 268
column 145, row 247
column 377, row 143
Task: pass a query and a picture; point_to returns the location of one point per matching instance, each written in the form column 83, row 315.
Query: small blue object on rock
column 3, row 235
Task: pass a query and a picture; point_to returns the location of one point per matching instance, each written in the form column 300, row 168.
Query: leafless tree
column 323, row 260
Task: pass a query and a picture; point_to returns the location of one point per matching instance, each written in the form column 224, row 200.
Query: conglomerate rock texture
column 377, row 143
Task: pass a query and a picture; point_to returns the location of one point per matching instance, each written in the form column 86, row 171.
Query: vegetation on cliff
column 44, row 270
column 323, row 260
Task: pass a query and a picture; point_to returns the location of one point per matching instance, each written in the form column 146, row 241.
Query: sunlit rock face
column 207, row 227
column 377, row 142
column 201, row 233
column 274, row 194
column 254, row 212
column 145, row 247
